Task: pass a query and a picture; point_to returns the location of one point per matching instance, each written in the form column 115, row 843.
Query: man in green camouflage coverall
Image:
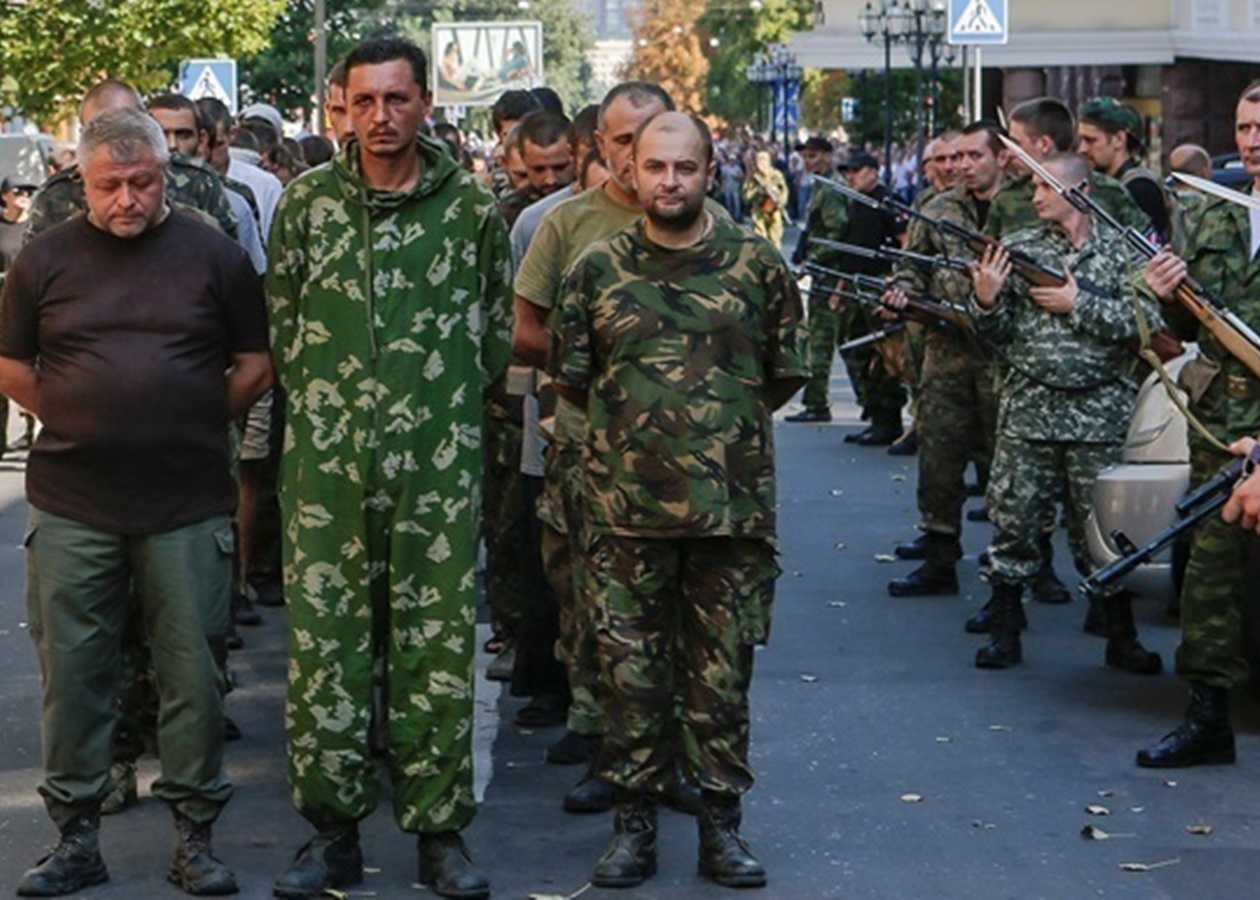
column 679, row 336
column 388, row 286
column 957, row 402
column 1225, row 396
column 1065, row 401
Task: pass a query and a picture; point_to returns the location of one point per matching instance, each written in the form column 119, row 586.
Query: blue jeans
column 80, row 582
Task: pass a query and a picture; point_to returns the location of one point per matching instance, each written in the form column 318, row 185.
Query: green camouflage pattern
column 957, row 401
column 513, row 203
column 1066, row 378
column 1012, row 208
column 758, row 188
column 677, row 621
column 826, row 216
column 677, row 443
column 189, row 182
column 1029, row 476
column 390, row 320
column 1217, row 252
column 503, row 522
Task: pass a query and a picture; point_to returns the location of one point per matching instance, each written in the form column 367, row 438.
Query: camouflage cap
column 1111, row 115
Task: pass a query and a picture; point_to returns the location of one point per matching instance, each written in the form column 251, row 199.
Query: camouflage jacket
column 1012, row 208
column 675, row 350
column 760, row 187
column 513, row 203
column 1225, row 395
column 189, row 183
column 826, row 216
column 949, row 348
column 389, row 310
column 1065, row 377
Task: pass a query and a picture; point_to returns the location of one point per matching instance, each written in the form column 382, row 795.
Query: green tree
column 56, row 49
column 735, row 31
column 868, row 89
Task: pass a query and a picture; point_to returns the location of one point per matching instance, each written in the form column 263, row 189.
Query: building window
column 1212, row 15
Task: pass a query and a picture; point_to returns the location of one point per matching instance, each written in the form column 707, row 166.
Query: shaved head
column 671, row 122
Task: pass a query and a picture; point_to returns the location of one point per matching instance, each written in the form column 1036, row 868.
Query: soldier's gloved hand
column 1057, row 300
column 1243, row 505
column 989, row 273
column 1163, row 274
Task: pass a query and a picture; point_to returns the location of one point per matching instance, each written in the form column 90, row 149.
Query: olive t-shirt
column 132, row 338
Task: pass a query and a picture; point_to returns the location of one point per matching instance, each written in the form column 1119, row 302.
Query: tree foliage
column 55, row 49
column 669, row 50
column 869, row 91
column 734, row 32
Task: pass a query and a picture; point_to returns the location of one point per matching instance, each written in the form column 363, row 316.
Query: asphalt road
column 889, row 767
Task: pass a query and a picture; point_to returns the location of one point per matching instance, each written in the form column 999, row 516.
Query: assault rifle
column 923, row 308
column 1230, row 331
column 1201, row 503
column 973, row 240
column 873, row 338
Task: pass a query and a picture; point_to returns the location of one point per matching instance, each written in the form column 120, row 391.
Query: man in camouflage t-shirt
column 678, row 337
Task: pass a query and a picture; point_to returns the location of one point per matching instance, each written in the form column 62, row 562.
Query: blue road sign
column 978, row 22
column 209, row 78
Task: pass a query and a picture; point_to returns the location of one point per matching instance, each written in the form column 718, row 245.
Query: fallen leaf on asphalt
column 839, row 545
column 998, row 728
column 1146, row 867
column 836, row 603
column 1107, row 793
column 885, row 557
column 911, row 798
column 809, row 679
column 983, row 825
column 1094, row 833
column 944, row 740
column 796, row 574
column 1199, row 829
column 1098, row 810
column 1170, row 784
column 899, row 478
column 1137, row 809
column 836, row 492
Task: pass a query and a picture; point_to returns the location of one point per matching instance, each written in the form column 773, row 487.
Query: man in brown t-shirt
column 117, row 329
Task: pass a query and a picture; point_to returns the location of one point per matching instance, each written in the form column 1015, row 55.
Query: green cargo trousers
column 79, row 583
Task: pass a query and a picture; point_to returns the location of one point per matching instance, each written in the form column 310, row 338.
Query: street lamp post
column 779, row 70
column 921, row 26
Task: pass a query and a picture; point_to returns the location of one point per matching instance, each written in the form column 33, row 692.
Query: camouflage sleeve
column 494, row 262
column 905, row 274
column 60, row 198
column 286, row 272
column 218, row 206
column 1106, row 315
column 569, row 360
column 785, row 350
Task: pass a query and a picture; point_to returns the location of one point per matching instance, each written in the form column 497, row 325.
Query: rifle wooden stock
column 1226, row 333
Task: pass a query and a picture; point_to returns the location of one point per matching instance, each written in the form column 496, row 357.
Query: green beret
column 1111, row 115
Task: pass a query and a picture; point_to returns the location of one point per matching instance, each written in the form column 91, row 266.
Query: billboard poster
column 475, row 62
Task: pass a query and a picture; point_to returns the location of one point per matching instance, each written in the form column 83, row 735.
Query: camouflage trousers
column 563, row 553
column 1212, row 649
column 677, row 623
column 768, row 225
column 362, row 585
column 956, row 422
column 503, row 524
column 1028, row 477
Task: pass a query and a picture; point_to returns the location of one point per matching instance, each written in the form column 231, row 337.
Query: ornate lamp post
column 779, row 69
column 889, row 23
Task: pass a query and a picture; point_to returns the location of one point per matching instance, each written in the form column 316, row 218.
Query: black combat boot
column 591, row 794
column 631, row 858
column 1046, row 586
column 193, row 867
column 447, row 867
column 1003, row 649
column 937, row 576
column 1096, row 618
column 913, row 549
column 1204, row 738
column 74, row 864
column 724, row 856
column 885, row 429
column 682, row 794
column 982, row 621
column 1124, row 651
column 329, row 861
column 809, row 415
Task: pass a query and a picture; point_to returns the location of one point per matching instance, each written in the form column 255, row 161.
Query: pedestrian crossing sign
column 977, row 21
column 209, row 78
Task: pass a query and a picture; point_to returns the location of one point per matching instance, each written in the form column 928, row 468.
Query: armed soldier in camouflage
column 1065, row 403
column 1225, row 396
column 766, row 193
column 957, row 403
column 188, row 183
column 388, row 287
column 679, row 336
column 1110, row 137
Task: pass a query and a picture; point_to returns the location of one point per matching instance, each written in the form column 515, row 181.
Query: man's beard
column 678, row 219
